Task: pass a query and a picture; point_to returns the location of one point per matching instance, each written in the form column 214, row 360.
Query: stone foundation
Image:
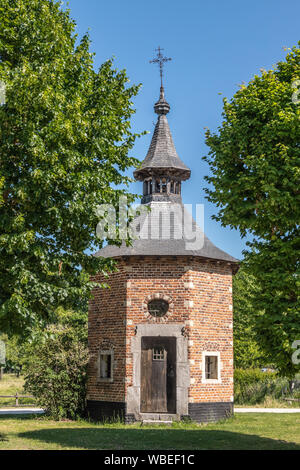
column 199, row 412
column 205, row 412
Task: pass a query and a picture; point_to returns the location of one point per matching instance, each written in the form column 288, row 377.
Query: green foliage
column 243, row 377
column 16, row 353
column 54, row 360
column 75, row 321
column 19, row 350
column 252, row 386
column 64, row 142
column 56, row 372
column 254, row 162
column 247, row 352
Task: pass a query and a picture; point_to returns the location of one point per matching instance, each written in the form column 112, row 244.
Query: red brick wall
column 200, row 297
column 106, row 329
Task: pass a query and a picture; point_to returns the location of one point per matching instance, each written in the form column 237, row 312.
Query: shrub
column 56, row 374
column 252, row 386
column 245, row 377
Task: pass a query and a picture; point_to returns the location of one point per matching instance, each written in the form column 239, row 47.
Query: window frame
column 215, row 354
column 106, row 352
column 158, row 354
column 164, row 304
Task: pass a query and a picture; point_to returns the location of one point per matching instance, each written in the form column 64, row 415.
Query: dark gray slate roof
column 167, row 230
column 162, row 152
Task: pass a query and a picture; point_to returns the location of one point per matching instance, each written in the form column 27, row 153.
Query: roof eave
column 234, row 263
column 182, row 173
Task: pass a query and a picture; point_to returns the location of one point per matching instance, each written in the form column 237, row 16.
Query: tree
column 254, row 161
column 64, row 142
column 16, row 353
column 20, row 350
column 56, row 369
column 2, row 354
column 247, row 352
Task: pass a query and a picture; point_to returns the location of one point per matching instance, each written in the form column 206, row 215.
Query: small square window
column 211, row 367
column 158, row 354
column 106, row 366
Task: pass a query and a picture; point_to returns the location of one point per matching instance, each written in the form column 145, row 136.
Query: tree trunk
column 291, row 386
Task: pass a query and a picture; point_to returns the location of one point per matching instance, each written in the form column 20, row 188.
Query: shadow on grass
column 155, row 439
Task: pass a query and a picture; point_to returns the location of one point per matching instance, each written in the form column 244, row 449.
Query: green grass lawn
column 248, row 431
column 9, row 385
column 270, row 402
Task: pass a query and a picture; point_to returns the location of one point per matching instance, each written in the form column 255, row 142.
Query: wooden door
column 158, row 375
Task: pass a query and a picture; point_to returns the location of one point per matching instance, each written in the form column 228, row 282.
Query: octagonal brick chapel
column 161, row 337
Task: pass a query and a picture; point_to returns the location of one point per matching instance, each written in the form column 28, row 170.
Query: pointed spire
column 162, row 159
column 162, row 155
column 162, row 106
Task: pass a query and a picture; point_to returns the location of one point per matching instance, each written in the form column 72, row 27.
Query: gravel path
column 267, row 410
column 20, row 411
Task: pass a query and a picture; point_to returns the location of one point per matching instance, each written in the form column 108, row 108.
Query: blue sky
column 214, row 45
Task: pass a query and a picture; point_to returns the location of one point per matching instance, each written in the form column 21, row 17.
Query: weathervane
column 160, row 60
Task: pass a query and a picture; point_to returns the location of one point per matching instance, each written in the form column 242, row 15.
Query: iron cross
column 160, row 60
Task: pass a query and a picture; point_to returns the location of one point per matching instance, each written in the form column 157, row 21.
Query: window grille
column 158, row 307
column 158, row 354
